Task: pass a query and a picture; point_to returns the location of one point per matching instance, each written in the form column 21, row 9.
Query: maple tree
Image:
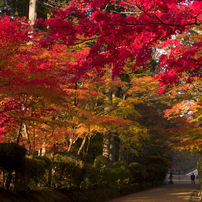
column 185, row 98
column 36, row 93
column 129, row 34
column 64, row 82
column 29, row 98
column 185, row 113
column 25, row 82
column 108, row 31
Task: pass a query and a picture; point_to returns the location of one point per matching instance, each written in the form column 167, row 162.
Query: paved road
column 180, row 191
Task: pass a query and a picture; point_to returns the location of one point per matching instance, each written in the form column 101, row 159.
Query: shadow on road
column 180, row 191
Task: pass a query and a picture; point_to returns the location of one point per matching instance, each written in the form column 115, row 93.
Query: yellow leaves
column 134, row 137
column 88, row 130
column 130, row 102
column 144, row 88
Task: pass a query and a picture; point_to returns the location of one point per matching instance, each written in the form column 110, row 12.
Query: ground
column 180, row 191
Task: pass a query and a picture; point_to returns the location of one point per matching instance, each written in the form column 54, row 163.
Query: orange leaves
column 188, row 137
column 186, row 115
column 144, row 86
column 184, row 108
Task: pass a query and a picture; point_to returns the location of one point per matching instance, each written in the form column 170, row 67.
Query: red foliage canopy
column 129, row 29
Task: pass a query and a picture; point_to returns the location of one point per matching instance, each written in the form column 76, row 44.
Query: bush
column 92, row 177
column 101, row 162
column 45, row 160
column 119, row 173
column 67, row 171
column 103, row 175
column 156, row 172
column 139, row 172
column 31, row 173
column 11, row 156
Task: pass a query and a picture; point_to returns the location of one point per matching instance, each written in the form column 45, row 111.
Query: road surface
column 180, row 191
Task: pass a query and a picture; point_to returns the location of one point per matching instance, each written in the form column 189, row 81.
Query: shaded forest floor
column 73, row 195
column 33, row 196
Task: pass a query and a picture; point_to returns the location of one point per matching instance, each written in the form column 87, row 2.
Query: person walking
column 192, row 178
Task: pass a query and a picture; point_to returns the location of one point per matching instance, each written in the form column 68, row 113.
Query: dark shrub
column 67, row 171
column 101, row 162
column 138, row 171
column 31, row 174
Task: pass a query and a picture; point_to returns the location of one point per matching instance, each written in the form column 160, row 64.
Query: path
column 180, row 191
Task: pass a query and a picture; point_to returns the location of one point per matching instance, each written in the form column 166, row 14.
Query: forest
column 98, row 97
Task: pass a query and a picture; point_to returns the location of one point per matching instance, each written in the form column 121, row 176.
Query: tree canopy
column 102, row 67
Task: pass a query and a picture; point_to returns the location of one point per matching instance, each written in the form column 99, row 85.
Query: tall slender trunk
column 19, row 132
column 88, row 145
column 43, row 152
column 70, row 144
column 23, row 108
column 27, row 9
column 127, row 158
column 106, row 141
column 82, row 145
column 16, row 8
column 121, row 150
column 112, row 149
column 28, row 138
column 32, row 11
column 121, row 141
column 105, row 147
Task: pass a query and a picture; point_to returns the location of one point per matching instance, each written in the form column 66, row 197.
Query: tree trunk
column 70, row 144
column 88, row 145
column 105, row 147
column 112, row 149
column 121, row 141
column 127, row 158
column 43, row 150
column 19, row 132
column 16, row 8
column 82, row 144
column 121, row 150
column 27, row 137
column 27, row 9
column 32, row 11
column 106, row 142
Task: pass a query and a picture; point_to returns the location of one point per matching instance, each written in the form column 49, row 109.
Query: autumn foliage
column 98, row 66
